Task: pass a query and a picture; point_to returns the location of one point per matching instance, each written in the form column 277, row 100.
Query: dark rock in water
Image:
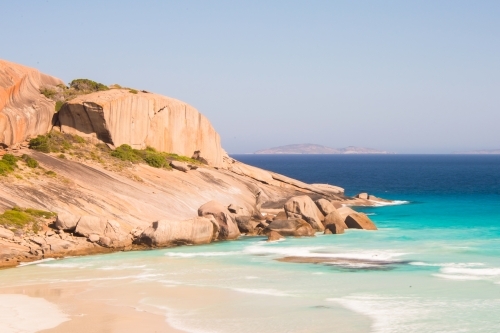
column 274, row 236
column 346, row 263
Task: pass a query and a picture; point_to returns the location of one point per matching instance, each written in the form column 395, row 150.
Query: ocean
column 433, row 265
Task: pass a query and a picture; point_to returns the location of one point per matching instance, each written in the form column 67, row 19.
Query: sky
column 403, row 76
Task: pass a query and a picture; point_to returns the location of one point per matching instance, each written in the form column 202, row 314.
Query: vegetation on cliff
column 63, row 143
column 28, row 219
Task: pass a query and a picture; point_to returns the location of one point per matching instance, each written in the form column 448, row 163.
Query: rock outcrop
column 228, row 229
column 24, row 111
column 141, row 119
column 293, row 227
column 303, row 207
column 164, row 233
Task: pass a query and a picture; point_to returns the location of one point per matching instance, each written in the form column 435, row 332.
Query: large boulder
column 304, row 208
column 66, row 221
column 292, row 227
column 164, row 233
column 359, row 221
column 356, row 220
column 228, row 229
column 246, row 224
column 335, row 218
column 142, row 119
column 363, row 195
column 91, row 225
column 24, row 111
column 325, row 206
column 116, row 235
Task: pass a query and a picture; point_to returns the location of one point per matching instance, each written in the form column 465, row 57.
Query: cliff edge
column 24, row 111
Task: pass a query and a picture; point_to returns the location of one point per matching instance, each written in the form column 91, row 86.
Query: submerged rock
column 273, row 236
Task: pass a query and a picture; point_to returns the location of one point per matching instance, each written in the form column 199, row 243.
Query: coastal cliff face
column 24, row 111
column 70, row 195
column 142, row 119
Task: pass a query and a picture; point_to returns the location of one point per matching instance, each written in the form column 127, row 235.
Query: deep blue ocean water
column 433, row 265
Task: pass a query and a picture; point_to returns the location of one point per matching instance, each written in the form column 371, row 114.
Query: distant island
column 480, row 152
column 308, row 148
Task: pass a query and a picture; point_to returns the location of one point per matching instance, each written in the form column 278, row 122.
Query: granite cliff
column 110, row 175
column 141, row 119
column 24, row 111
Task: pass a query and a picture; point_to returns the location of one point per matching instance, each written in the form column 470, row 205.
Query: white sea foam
column 485, row 272
column 447, row 264
column 65, row 265
column 270, row 292
column 458, row 277
column 24, row 314
column 319, row 252
column 391, row 203
column 36, row 262
column 389, row 314
column 126, row 277
column 200, row 254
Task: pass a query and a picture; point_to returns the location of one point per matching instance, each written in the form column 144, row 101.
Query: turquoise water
column 433, row 265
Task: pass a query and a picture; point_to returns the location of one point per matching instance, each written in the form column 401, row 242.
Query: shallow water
column 433, row 265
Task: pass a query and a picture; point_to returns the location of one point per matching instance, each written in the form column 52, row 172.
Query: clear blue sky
column 406, row 76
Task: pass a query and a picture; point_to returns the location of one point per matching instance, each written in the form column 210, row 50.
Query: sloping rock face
column 198, row 230
column 303, row 207
column 142, row 119
column 24, row 111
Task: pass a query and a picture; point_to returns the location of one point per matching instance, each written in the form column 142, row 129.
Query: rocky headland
column 100, row 169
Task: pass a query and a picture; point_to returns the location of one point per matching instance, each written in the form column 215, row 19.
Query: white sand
column 24, row 314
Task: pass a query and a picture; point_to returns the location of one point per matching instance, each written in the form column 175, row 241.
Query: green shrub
column 133, row 91
column 62, row 156
column 126, row 153
column 155, row 160
column 51, row 173
column 59, row 105
column 78, row 139
column 30, row 161
column 47, row 92
column 40, row 143
column 19, row 218
column 5, row 168
column 87, row 85
column 10, row 159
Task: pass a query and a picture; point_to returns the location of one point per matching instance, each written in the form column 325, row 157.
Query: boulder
column 335, row 218
column 94, row 238
column 362, row 196
column 303, row 207
column 164, row 233
column 238, row 210
column 181, row 166
column 344, row 211
column 359, row 221
column 117, row 117
column 89, row 224
column 24, row 111
column 66, row 221
column 281, row 216
column 291, row 227
column 117, row 233
column 228, row 229
column 6, row 234
column 325, row 206
column 328, row 189
column 274, row 236
column 334, row 229
column 246, row 225
column 336, row 204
